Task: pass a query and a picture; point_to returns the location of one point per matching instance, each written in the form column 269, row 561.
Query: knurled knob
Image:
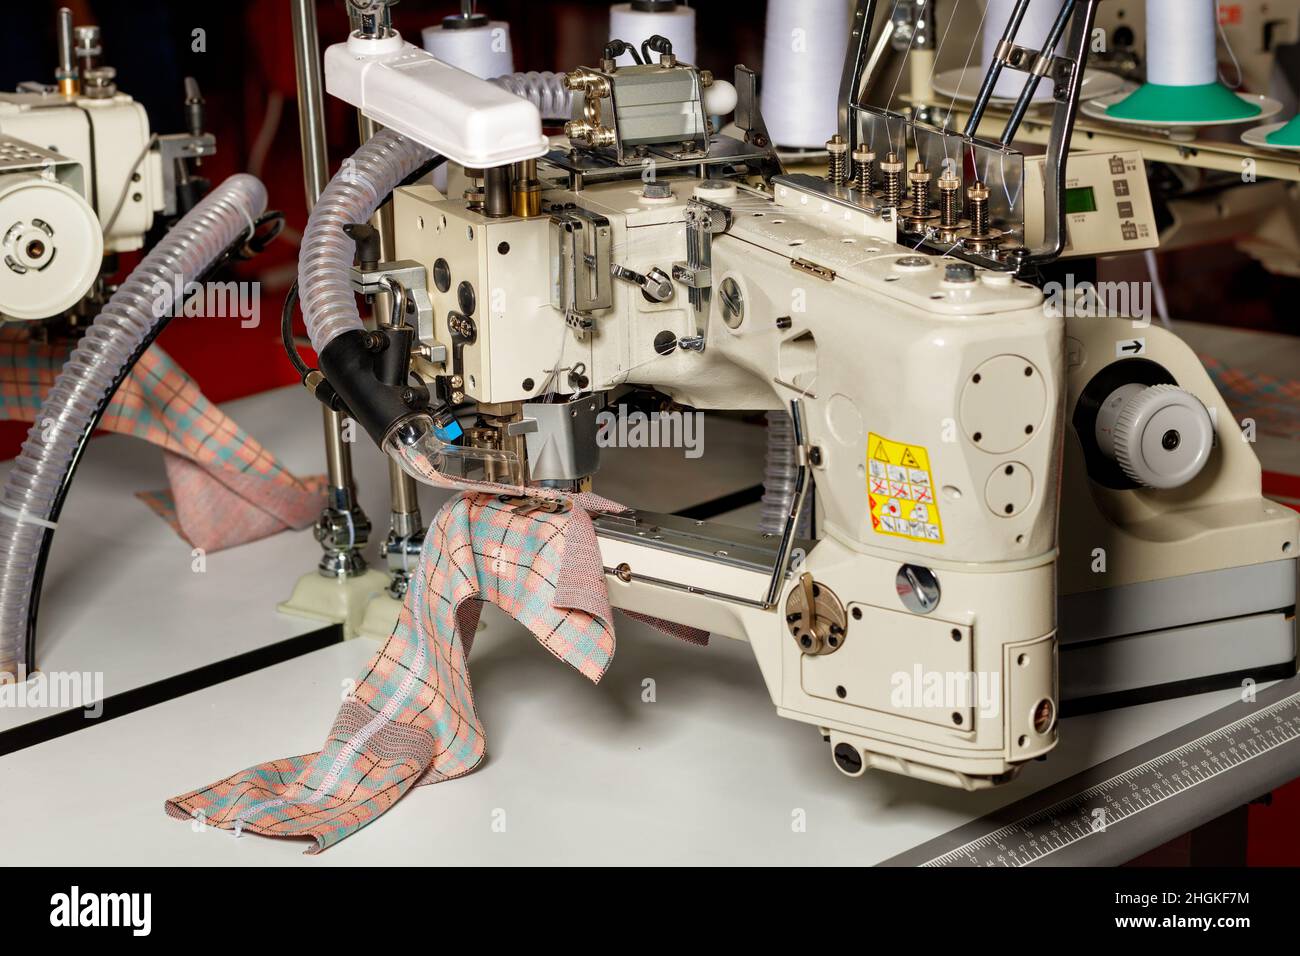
column 1159, row 435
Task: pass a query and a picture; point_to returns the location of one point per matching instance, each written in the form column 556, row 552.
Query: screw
column 977, row 206
column 847, row 758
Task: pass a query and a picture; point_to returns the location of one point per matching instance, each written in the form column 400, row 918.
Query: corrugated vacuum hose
column 33, row 490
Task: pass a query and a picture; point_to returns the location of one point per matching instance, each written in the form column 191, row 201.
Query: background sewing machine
column 83, row 177
column 885, row 306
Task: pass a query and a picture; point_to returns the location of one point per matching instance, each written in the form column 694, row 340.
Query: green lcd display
column 1080, row 199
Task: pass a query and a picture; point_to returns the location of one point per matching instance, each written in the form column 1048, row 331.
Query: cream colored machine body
column 933, row 395
column 1187, row 587
column 954, row 387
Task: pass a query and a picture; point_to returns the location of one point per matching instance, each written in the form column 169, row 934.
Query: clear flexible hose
column 363, row 182
column 780, row 470
column 131, row 314
column 544, row 90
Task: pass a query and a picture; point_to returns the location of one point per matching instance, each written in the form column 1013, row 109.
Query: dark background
column 247, row 76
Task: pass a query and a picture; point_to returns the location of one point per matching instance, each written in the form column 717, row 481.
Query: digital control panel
column 1107, row 203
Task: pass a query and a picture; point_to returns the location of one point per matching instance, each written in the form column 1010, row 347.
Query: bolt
column 892, row 172
column 918, row 181
column 847, row 758
column 949, row 201
column 977, row 207
column 837, row 160
column 864, row 175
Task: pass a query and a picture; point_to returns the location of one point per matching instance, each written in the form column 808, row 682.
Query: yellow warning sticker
column 901, row 491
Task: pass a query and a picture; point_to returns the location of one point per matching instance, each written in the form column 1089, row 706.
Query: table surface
column 706, row 773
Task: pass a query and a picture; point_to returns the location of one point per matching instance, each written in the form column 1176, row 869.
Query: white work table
column 582, row 774
column 122, row 596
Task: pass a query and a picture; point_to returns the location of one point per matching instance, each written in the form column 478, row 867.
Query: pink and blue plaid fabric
column 225, row 488
column 412, row 719
column 1272, row 403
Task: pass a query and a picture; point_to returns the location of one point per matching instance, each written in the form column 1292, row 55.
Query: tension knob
column 1159, row 435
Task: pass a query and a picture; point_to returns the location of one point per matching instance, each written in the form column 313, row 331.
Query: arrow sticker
column 1127, row 348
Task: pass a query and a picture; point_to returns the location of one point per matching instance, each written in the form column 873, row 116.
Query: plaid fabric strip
column 412, row 719
column 226, row 489
column 1272, row 403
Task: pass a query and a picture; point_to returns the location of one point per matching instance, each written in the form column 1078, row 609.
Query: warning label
column 901, row 491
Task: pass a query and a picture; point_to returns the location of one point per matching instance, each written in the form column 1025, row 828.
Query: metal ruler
column 1139, row 799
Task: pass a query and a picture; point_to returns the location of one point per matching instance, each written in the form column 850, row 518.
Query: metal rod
column 1045, row 57
column 1059, row 144
column 68, row 78
column 496, row 192
column 995, row 68
column 401, row 486
column 857, row 65
column 340, row 492
column 311, row 102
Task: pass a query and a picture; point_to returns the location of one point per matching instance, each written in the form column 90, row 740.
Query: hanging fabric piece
column 225, row 488
column 412, row 720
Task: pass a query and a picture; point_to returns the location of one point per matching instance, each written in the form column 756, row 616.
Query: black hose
column 616, row 48
column 286, row 333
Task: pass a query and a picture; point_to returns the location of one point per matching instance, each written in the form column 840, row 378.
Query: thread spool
column 803, row 57
column 638, row 21
column 473, row 44
column 1182, row 70
column 483, row 50
column 1287, row 136
column 1180, row 42
column 1034, row 28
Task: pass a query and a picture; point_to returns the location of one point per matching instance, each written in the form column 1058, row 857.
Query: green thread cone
column 1207, row 103
column 1288, row 135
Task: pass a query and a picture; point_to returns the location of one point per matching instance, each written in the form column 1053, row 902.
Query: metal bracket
column 750, row 119
column 655, row 283
column 178, row 146
column 463, row 331
column 581, row 276
column 412, row 277
column 704, row 220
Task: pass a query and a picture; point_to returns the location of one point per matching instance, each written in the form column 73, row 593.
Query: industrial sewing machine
column 944, row 413
column 82, row 177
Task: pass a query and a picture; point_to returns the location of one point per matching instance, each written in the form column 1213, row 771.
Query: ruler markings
column 1069, row 821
